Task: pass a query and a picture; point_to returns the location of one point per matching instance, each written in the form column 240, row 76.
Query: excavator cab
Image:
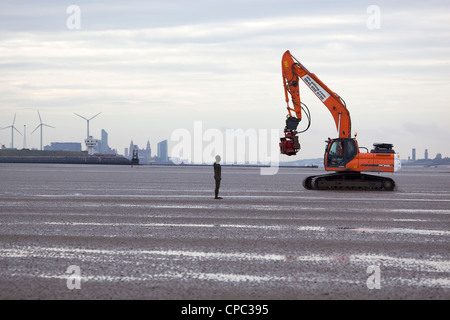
column 339, row 152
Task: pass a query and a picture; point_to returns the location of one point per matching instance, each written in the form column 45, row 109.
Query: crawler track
column 349, row 181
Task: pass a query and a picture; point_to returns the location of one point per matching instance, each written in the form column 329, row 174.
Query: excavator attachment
column 289, row 144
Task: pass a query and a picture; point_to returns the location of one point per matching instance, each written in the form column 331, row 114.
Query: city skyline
column 146, row 153
column 153, row 67
column 24, row 138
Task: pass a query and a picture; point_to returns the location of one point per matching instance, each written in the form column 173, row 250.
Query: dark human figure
column 217, row 176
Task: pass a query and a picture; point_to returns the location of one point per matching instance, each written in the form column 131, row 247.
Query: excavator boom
column 292, row 70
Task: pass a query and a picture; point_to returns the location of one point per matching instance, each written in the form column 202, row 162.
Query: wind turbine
column 90, row 142
column 41, row 125
column 12, row 131
column 24, row 136
column 88, row 122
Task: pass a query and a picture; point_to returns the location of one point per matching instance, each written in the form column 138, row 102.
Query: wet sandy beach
column 156, row 232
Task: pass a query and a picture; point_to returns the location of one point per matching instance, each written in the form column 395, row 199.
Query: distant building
column 64, row 146
column 414, row 154
column 145, row 155
column 148, row 152
column 426, row 154
column 130, row 150
column 102, row 146
column 163, row 153
column 104, row 142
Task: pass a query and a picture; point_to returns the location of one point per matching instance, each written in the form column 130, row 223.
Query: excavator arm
column 292, row 71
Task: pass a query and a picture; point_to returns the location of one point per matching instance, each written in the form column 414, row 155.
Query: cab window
column 350, row 149
column 337, row 148
column 341, row 152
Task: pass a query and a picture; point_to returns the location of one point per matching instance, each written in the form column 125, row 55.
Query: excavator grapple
column 290, row 145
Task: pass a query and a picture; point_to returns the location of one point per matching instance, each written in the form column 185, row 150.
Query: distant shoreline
column 69, row 157
column 73, row 157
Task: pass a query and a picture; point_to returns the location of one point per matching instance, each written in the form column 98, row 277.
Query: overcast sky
column 152, row 67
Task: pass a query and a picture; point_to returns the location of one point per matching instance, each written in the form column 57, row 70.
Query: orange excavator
column 342, row 154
